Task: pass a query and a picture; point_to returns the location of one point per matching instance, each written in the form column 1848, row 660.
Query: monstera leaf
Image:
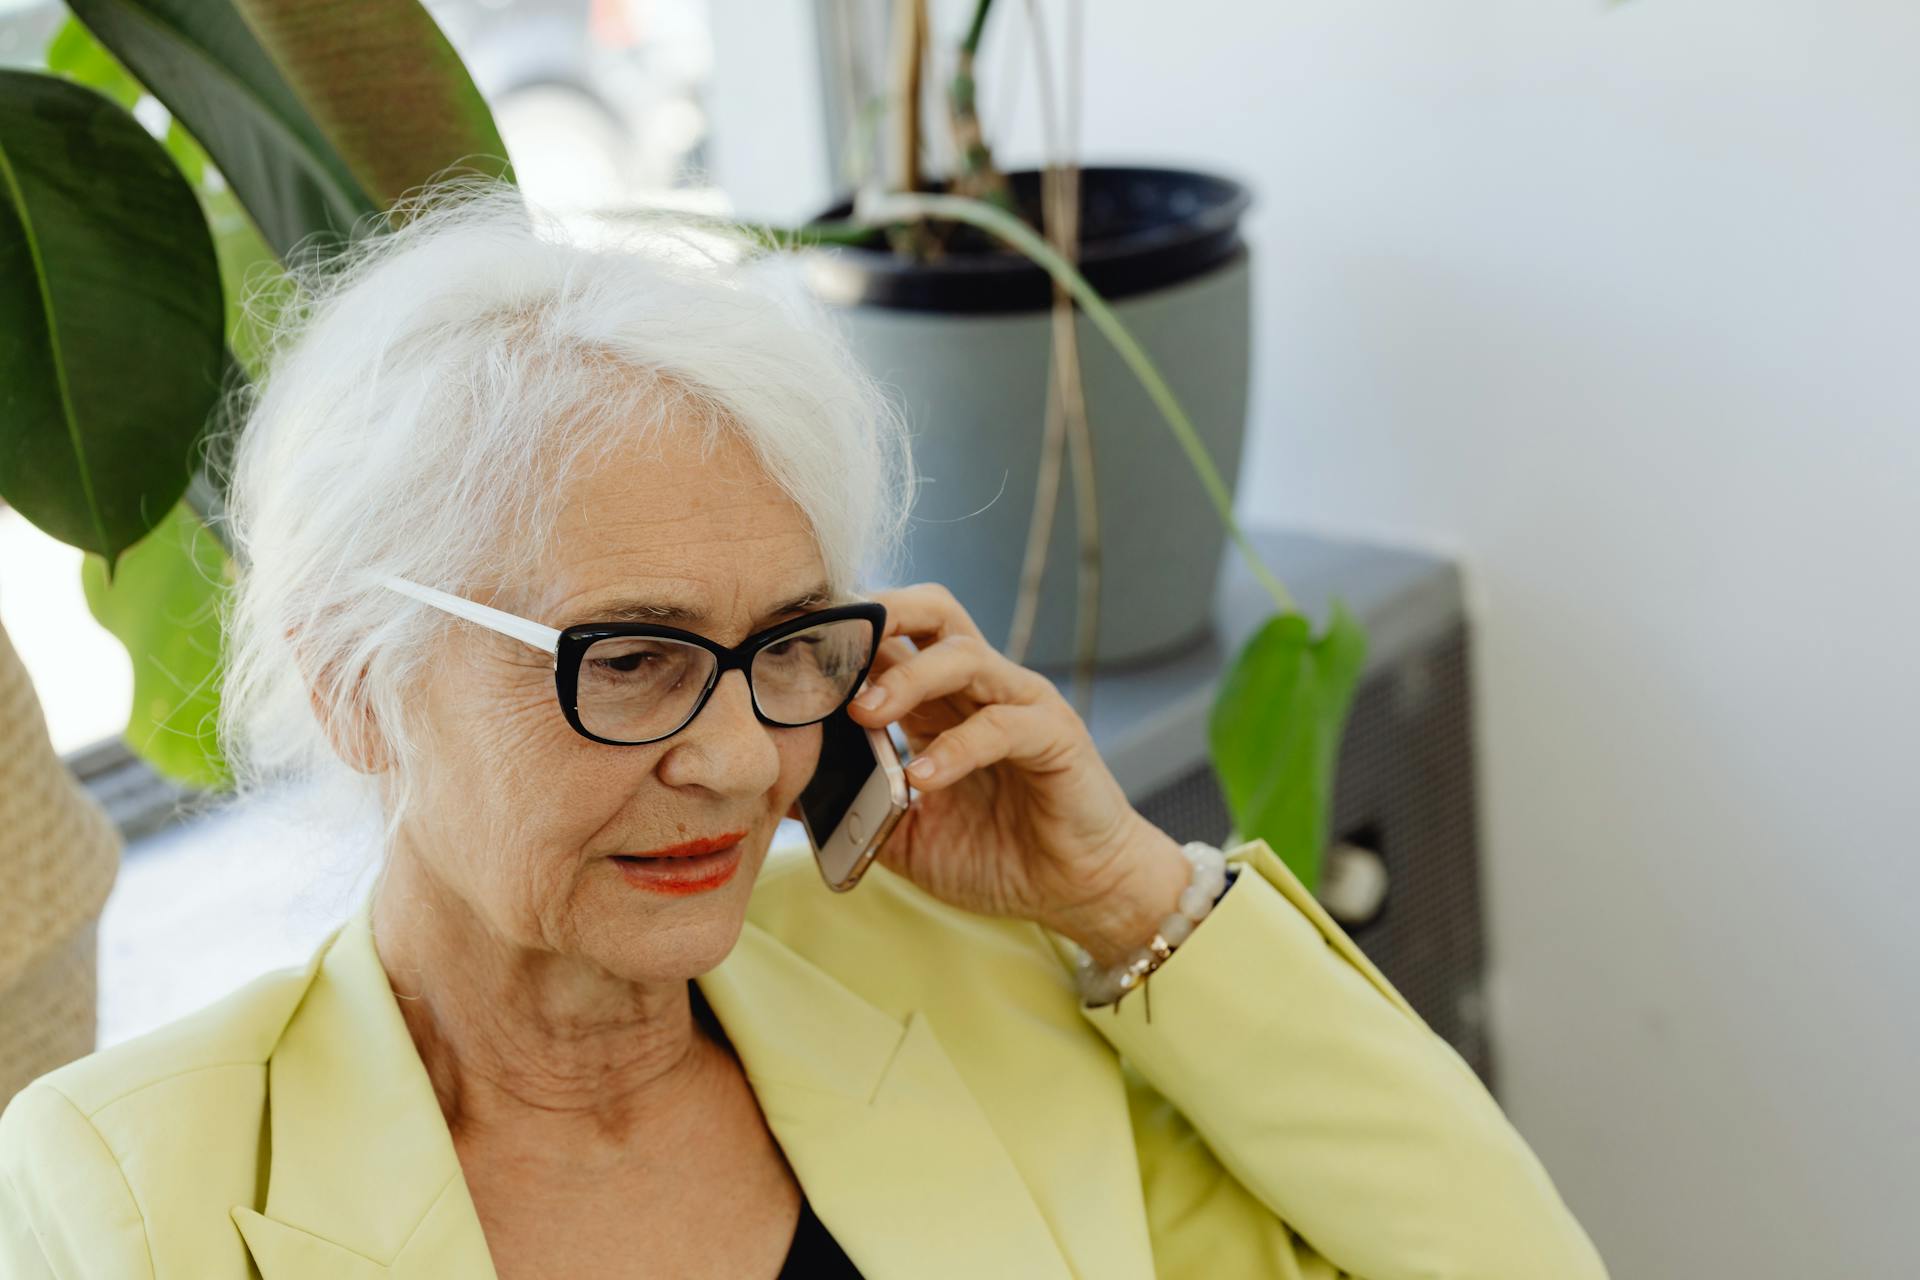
column 1275, row 728
column 110, row 317
column 164, row 607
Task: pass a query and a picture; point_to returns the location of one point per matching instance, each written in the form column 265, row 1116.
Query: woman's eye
column 624, row 663
column 784, row 648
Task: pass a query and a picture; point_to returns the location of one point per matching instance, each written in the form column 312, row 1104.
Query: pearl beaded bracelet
column 1209, row 882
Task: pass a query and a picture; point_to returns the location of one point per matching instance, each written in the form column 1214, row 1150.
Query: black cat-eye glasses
column 631, row 683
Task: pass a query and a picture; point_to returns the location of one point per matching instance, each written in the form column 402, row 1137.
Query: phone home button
column 854, row 827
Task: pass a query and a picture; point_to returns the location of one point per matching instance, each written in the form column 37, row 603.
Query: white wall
column 1618, row 305
column 769, row 153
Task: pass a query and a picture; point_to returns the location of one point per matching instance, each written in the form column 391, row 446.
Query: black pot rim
column 1187, row 224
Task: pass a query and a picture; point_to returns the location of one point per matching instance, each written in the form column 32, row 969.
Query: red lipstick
column 693, row 867
column 692, row 848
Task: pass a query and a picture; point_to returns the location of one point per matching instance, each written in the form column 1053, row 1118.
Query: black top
column 814, row 1253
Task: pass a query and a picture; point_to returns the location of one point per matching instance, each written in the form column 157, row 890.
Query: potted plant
column 121, row 344
column 963, row 338
column 942, row 288
column 958, row 322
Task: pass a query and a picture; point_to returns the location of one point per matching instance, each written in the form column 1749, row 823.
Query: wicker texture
column 59, row 853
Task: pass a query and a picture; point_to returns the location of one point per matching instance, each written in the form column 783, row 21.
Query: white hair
column 429, row 389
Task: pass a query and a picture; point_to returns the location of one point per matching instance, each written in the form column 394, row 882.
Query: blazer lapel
column 896, row 1154
column 363, row 1179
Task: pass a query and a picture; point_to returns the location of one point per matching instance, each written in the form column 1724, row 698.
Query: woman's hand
column 1019, row 816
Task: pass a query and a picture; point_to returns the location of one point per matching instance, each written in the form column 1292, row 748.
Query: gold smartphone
column 857, row 795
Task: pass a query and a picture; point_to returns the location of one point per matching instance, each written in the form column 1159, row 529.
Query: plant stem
column 1066, row 417
column 975, row 173
column 903, row 140
column 972, row 42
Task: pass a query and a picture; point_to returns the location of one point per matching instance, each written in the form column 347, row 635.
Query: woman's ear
column 357, row 740
column 355, row 734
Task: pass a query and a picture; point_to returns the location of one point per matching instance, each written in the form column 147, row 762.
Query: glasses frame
column 567, row 646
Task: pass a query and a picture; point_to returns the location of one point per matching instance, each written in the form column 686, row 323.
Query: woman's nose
column 732, row 701
column 731, row 743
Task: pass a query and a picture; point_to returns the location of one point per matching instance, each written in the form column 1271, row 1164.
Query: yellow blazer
column 951, row 1108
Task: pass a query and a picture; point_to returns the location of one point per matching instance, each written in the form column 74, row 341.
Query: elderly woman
column 588, row 1022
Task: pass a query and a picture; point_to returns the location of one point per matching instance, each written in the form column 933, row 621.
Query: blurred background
column 1609, row 308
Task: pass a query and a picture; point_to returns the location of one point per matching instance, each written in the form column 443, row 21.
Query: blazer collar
column 895, row 1152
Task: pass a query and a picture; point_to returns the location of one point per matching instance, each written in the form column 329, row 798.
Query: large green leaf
column 1274, row 732
column 110, row 316
column 75, row 54
column 316, row 112
column 163, row 606
column 201, row 60
column 384, row 85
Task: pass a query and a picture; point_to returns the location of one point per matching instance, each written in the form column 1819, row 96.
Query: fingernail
column 921, row 768
column 872, row 698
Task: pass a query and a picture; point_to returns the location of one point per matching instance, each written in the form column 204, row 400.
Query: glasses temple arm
column 540, row 637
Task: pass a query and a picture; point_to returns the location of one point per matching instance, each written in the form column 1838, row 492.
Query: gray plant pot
column 965, row 343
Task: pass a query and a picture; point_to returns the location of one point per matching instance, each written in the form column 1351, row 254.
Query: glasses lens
column 801, row 677
column 637, row 688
